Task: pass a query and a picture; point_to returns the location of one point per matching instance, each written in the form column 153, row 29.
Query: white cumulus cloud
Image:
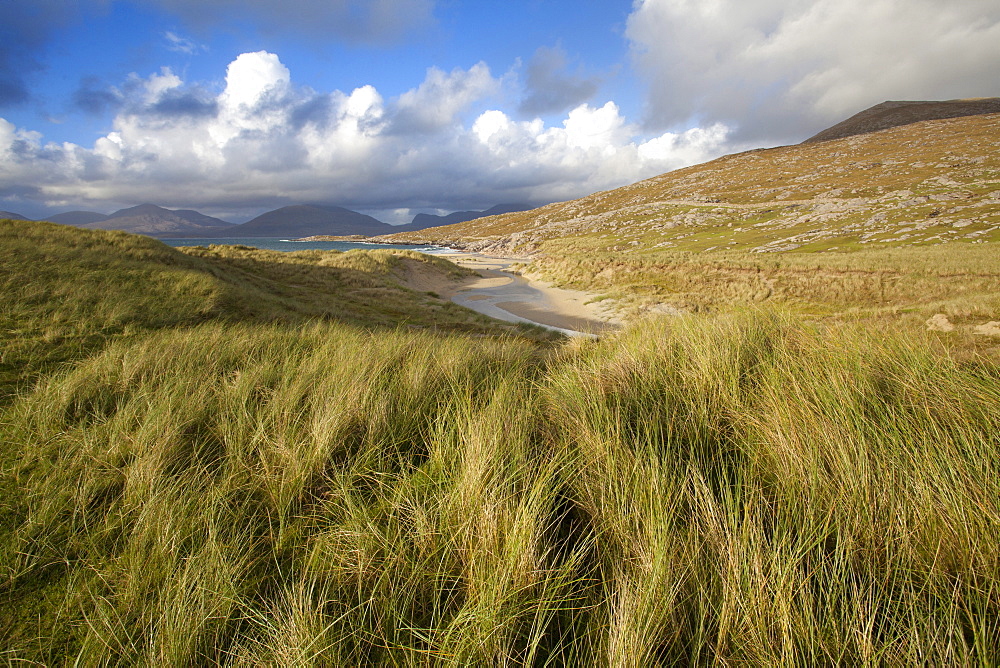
column 252, row 78
column 437, row 101
column 262, row 142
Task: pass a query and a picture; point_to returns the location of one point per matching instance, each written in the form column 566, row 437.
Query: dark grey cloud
column 25, row 27
column 549, row 88
column 358, row 21
column 95, row 97
column 778, row 71
column 192, row 102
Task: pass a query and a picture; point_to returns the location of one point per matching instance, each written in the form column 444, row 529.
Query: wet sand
column 513, row 298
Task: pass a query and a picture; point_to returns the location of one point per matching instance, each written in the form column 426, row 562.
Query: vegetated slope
column 11, row 216
column 892, row 114
column 925, row 183
column 305, row 220
column 697, row 491
column 424, row 220
column 66, row 290
column 951, row 287
column 75, row 217
column 156, row 221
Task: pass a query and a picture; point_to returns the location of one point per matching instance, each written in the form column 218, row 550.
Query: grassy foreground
column 740, row 489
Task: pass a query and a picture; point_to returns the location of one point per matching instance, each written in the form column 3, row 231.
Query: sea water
column 279, row 244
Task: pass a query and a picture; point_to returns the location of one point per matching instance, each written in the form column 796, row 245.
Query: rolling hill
column 223, row 456
column 68, row 289
column 926, row 182
column 77, row 218
column 303, row 220
column 226, row 456
column 892, row 114
column 153, row 220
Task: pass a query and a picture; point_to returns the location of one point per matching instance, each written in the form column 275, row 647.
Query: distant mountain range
column 78, row 217
column 305, row 220
column 156, row 221
column 300, row 220
column 422, row 221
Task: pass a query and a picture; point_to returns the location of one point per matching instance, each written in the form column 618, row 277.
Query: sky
column 394, row 107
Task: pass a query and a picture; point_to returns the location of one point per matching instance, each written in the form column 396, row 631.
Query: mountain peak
column 424, row 220
column 303, row 220
column 140, row 210
column 896, row 113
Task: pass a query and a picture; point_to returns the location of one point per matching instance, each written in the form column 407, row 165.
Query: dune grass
column 215, row 464
column 731, row 490
column 888, row 288
column 67, row 292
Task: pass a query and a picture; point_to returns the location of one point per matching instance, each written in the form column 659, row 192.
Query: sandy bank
column 501, row 294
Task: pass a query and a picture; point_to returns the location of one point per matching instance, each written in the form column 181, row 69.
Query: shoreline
column 505, row 295
column 508, row 296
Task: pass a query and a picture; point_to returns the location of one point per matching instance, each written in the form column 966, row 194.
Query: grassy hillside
column 68, row 291
column 896, row 226
column 926, row 183
column 886, row 287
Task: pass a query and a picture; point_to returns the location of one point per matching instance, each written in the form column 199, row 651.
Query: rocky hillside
column 921, row 183
column 893, row 114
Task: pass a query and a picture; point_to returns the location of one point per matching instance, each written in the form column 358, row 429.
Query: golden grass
column 930, row 182
column 729, row 490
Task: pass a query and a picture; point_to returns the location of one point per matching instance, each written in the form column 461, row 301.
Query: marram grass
column 65, row 292
column 740, row 490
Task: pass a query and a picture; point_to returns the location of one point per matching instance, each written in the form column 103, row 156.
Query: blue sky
column 397, row 106
column 100, row 46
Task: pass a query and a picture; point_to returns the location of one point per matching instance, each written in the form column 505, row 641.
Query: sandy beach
column 507, row 296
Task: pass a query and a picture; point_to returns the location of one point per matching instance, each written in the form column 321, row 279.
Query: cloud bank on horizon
column 717, row 76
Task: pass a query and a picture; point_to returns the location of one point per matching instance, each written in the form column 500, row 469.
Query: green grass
column 68, row 291
column 890, row 287
column 739, row 490
column 745, row 488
